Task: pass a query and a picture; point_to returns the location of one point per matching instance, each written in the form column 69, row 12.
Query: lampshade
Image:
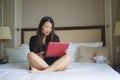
column 5, row 33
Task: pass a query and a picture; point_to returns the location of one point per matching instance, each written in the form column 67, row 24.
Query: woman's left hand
column 66, row 51
column 41, row 54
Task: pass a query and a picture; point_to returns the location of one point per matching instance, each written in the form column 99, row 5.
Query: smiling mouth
column 47, row 32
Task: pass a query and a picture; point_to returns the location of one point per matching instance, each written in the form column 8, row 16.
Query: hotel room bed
column 75, row 71
column 88, row 39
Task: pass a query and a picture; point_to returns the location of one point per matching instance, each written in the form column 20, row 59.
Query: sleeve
column 31, row 44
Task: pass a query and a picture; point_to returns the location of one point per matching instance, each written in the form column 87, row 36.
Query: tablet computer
column 56, row 49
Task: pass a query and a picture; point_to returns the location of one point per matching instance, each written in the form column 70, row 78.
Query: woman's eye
column 46, row 26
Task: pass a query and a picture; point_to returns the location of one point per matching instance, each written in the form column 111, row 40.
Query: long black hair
column 40, row 34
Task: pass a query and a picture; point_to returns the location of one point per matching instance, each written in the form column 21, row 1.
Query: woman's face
column 47, row 28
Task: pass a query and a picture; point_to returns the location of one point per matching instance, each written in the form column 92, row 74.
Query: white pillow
column 73, row 49
column 17, row 55
column 92, row 44
column 24, row 46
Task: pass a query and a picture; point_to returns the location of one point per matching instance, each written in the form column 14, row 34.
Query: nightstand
column 2, row 61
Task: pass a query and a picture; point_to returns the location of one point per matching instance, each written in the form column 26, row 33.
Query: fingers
column 41, row 54
column 66, row 51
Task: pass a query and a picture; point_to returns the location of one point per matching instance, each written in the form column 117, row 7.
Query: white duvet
column 75, row 71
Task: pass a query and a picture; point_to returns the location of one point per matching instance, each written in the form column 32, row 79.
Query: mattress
column 75, row 71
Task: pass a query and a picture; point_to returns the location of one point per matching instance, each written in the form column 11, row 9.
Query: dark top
column 32, row 46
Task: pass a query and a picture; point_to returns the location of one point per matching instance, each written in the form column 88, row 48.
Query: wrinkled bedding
column 75, row 71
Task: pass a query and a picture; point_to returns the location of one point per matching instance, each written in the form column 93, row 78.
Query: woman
column 38, row 46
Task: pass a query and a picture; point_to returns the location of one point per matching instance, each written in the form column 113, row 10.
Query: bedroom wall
column 0, row 12
column 0, row 24
column 116, row 39
column 64, row 12
column 108, row 28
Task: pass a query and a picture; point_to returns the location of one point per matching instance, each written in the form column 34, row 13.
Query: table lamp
column 5, row 34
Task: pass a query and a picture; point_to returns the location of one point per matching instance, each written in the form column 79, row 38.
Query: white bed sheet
column 75, row 71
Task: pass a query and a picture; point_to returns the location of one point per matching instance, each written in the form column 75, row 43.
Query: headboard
column 71, row 34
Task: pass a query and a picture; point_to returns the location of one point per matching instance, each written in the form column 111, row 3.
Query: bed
column 81, row 67
column 75, row 71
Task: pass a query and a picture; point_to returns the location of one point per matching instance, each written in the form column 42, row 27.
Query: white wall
column 13, row 19
column 18, row 21
column 1, row 8
column 108, row 24
column 64, row 12
column 9, row 20
column 0, row 12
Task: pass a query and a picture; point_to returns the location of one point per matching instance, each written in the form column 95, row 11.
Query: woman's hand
column 66, row 51
column 41, row 54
